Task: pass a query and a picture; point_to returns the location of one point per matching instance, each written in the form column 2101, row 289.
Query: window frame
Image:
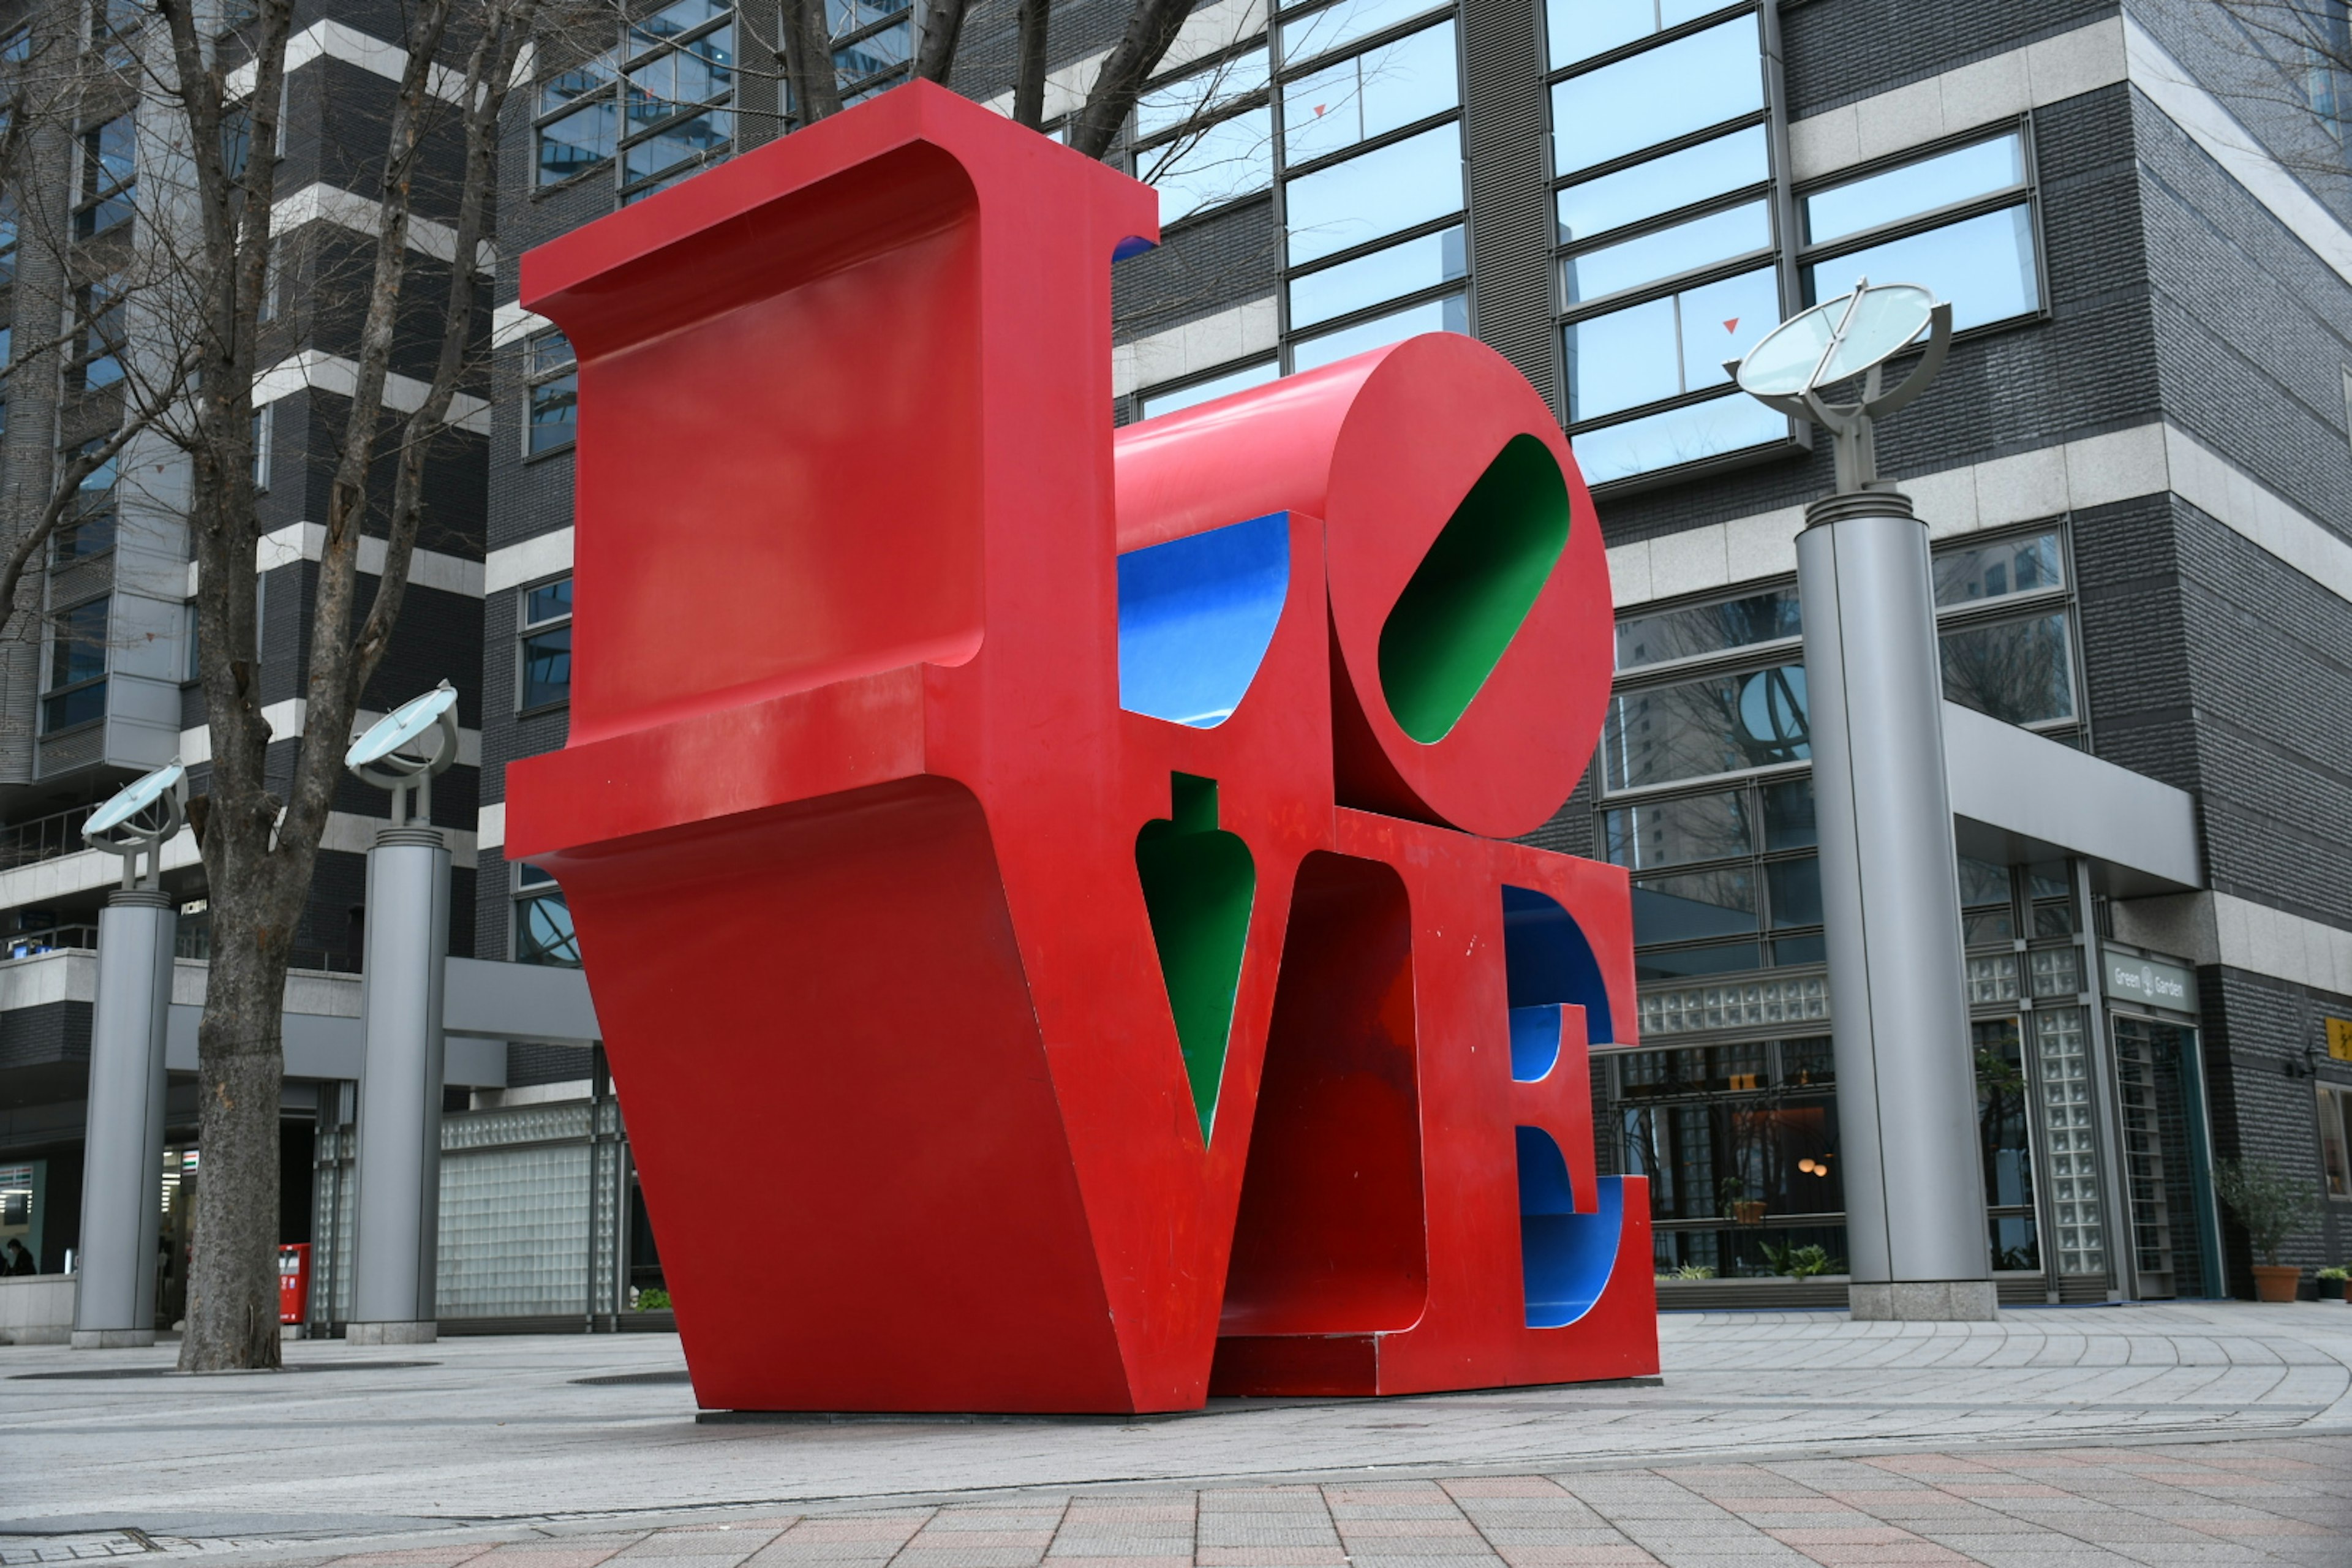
column 92, row 187
column 48, row 693
column 2031, row 604
column 632, row 51
column 1288, row 71
column 1781, row 253
column 534, row 379
column 528, row 885
column 2026, row 192
column 525, row 630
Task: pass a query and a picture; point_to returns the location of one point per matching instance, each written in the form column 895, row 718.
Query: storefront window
column 2336, row 1141
column 2002, row 1116
column 1740, row 1142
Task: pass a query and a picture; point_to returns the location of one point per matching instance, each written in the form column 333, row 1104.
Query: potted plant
column 2331, row 1283
column 2270, row 1207
column 1738, row 1207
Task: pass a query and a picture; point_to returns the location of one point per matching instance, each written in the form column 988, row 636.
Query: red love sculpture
column 1047, row 891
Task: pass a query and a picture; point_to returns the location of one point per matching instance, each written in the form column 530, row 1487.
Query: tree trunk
column 233, row 1263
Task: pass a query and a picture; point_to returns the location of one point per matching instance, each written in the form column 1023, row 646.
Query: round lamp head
column 133, row 798
column 399, row 727
column 1838, row 340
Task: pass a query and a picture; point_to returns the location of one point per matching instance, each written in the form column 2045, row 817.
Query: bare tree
column 258, row 850
column 460, row 62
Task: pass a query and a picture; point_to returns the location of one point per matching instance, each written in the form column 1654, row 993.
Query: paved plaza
column 2154, row 1435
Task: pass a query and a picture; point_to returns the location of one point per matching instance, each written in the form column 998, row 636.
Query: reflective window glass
column 1371, row 94
column 589, row 76
column 2020, row 672
column 1655, row 96
column 1673, row 832
column 695, row 137
column 1694, row 905
column 1977, row 571
column 1919, row 187
column 543, row 932
column 547, row 668
column 1665, row 347
column 1796, row 890
column 874, row 52
column 82, row 705
column 1985, row 266
column 1397, row 186
column 547, row 602
column 1709, row 628
column 1715, row 725
column 78, row 650
column 1334, row 27
column 1447, row 315
column 1155, row 404
column 1417, row 264
column 1579, row 30
column 1204, row 93
column 675, row 21
column 578, row 142
column 1222, row 161
column 1789, row 814
column 1691, row 963
column 848, row 15
column 1685, row 247
column 1677, row 180
column 1678, row 436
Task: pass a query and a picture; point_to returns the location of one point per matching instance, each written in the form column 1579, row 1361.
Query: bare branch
column 1151, row 27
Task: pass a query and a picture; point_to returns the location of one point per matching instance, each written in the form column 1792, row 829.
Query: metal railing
column 42, row 839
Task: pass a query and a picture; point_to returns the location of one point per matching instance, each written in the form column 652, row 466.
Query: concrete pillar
column 122, row 1155
column 1890, row 891
column 396, row 1203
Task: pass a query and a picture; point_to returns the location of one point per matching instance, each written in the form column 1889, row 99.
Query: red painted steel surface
column 849, row 818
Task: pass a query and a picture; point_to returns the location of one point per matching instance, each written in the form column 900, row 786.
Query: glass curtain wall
column 1704, row 793
column 1672, row 255
column 1351, row 113
column 649, row 113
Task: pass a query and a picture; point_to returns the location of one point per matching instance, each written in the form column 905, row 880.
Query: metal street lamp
column 123, row 1156
column 396, row 1205
column 1890, row 886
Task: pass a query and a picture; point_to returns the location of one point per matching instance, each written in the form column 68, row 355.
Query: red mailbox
column 294, row 1283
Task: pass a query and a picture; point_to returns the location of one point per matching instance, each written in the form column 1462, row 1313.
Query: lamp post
column 1890, row 889
column 122, row 1152
column 396, row 1205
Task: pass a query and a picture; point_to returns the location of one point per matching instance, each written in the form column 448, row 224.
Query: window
column 109, row 191
column 1207, row 138
column 97, row 345
column 1959, row 222
column 551, row 420
column 1702, row 629
column 2327, row 65
column 1168, row 400
column 659, row 107
column 1372, row 192
column 1669, row 261
column 1694, row 729
column 2336, row 1140
column 87, row 526
column 75, row 692
column 542, row 926
column 114, row 27
column 2005, row 627
column 8, row 245
column 873, row 40
column 546, row 644
column 1724, row 880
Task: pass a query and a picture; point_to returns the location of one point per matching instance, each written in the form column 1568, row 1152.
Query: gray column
column 1890, row 890
column 396, row 1196
column 122, row 1155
